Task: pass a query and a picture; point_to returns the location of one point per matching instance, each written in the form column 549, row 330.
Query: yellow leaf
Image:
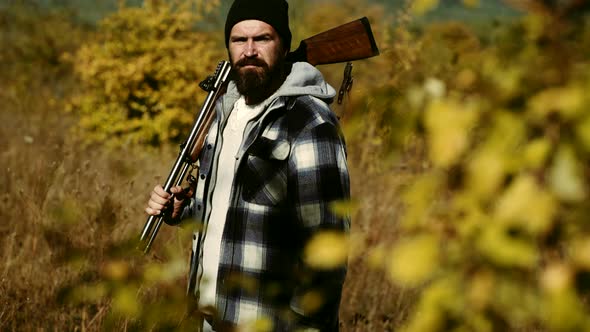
column 500, row 247
column 344, row 208
column 435, row 303
column 563, row 311
column 536, row 153
column 448, row 124
column 580, row 252
column 556, row 277
column 472, row 217
column 566, row 177
column 311, row 302
column 485, row 172
column 421, row 7
column 117, row 270
column 125, row 302
column 327, row 250
column 481, row 289
column 526, row 205
column 566, row 101
column 583, row 132
column 414, row 260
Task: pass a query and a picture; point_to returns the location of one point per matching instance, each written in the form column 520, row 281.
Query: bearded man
column 274, row 162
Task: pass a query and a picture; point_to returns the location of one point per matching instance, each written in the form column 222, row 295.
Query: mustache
column 250, row 62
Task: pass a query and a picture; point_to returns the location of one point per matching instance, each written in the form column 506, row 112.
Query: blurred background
column 468, row 146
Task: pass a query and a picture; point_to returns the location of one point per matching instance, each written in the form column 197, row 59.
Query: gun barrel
column 183, row 161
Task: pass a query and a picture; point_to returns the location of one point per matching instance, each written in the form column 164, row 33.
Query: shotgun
column 347, row 42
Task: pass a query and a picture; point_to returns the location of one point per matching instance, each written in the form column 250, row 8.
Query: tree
column 140, row 77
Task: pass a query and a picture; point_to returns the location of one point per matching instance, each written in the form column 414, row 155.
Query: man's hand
column 160, row 199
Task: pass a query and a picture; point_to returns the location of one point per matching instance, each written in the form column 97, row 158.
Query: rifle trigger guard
column 192, row 180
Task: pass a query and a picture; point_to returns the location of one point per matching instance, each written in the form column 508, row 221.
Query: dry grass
column 68, row 211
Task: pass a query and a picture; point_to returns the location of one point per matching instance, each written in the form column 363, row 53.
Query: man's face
column 257, row 55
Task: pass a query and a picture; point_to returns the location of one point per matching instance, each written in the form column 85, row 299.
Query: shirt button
column 209, row 146
column 202, row 176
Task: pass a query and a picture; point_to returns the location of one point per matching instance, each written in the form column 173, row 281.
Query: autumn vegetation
column 468, row 146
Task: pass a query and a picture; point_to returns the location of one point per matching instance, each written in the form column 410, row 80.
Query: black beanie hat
column 273, row 12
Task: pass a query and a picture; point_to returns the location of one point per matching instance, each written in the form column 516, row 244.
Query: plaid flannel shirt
column 291, row 167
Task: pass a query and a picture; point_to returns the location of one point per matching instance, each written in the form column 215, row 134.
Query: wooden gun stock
column 348, row 42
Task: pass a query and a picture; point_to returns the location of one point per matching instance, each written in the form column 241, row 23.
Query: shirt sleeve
column 319, row 177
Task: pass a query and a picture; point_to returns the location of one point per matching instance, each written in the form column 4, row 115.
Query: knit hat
column 273, row 12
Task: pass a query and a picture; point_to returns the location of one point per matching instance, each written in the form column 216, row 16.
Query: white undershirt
column 232, row 139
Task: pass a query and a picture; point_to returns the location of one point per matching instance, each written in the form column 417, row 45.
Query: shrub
column 141, row 75
column 494, row 231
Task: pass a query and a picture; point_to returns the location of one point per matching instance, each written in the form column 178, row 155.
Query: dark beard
column 258, row 83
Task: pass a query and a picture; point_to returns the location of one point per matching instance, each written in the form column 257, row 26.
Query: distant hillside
column 90, row 11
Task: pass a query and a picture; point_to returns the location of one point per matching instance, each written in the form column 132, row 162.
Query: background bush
column 141, row 73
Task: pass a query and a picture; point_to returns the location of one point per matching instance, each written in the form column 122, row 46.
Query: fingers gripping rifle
column 347, row 42
column 189, row 150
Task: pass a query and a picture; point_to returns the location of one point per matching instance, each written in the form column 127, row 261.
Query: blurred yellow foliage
column 568, row 102
column 566, row 176
column 414, row 260
column 344, row 208
column 498, row 211
column 116, row 270
column 141, row 75
column 258, row 325
column 526, row 205
column 421, row 7
column 580, row 252
column 312, row 301
column 126, row 302
column 327, row 250
column 563, row 311
column 448, row 123
column 438, row 300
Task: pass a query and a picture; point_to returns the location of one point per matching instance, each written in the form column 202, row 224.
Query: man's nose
column 250, row 50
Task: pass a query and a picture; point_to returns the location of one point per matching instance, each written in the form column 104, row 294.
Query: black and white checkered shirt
column 290, row 169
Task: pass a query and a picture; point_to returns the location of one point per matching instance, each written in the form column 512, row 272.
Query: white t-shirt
column 233, row 134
